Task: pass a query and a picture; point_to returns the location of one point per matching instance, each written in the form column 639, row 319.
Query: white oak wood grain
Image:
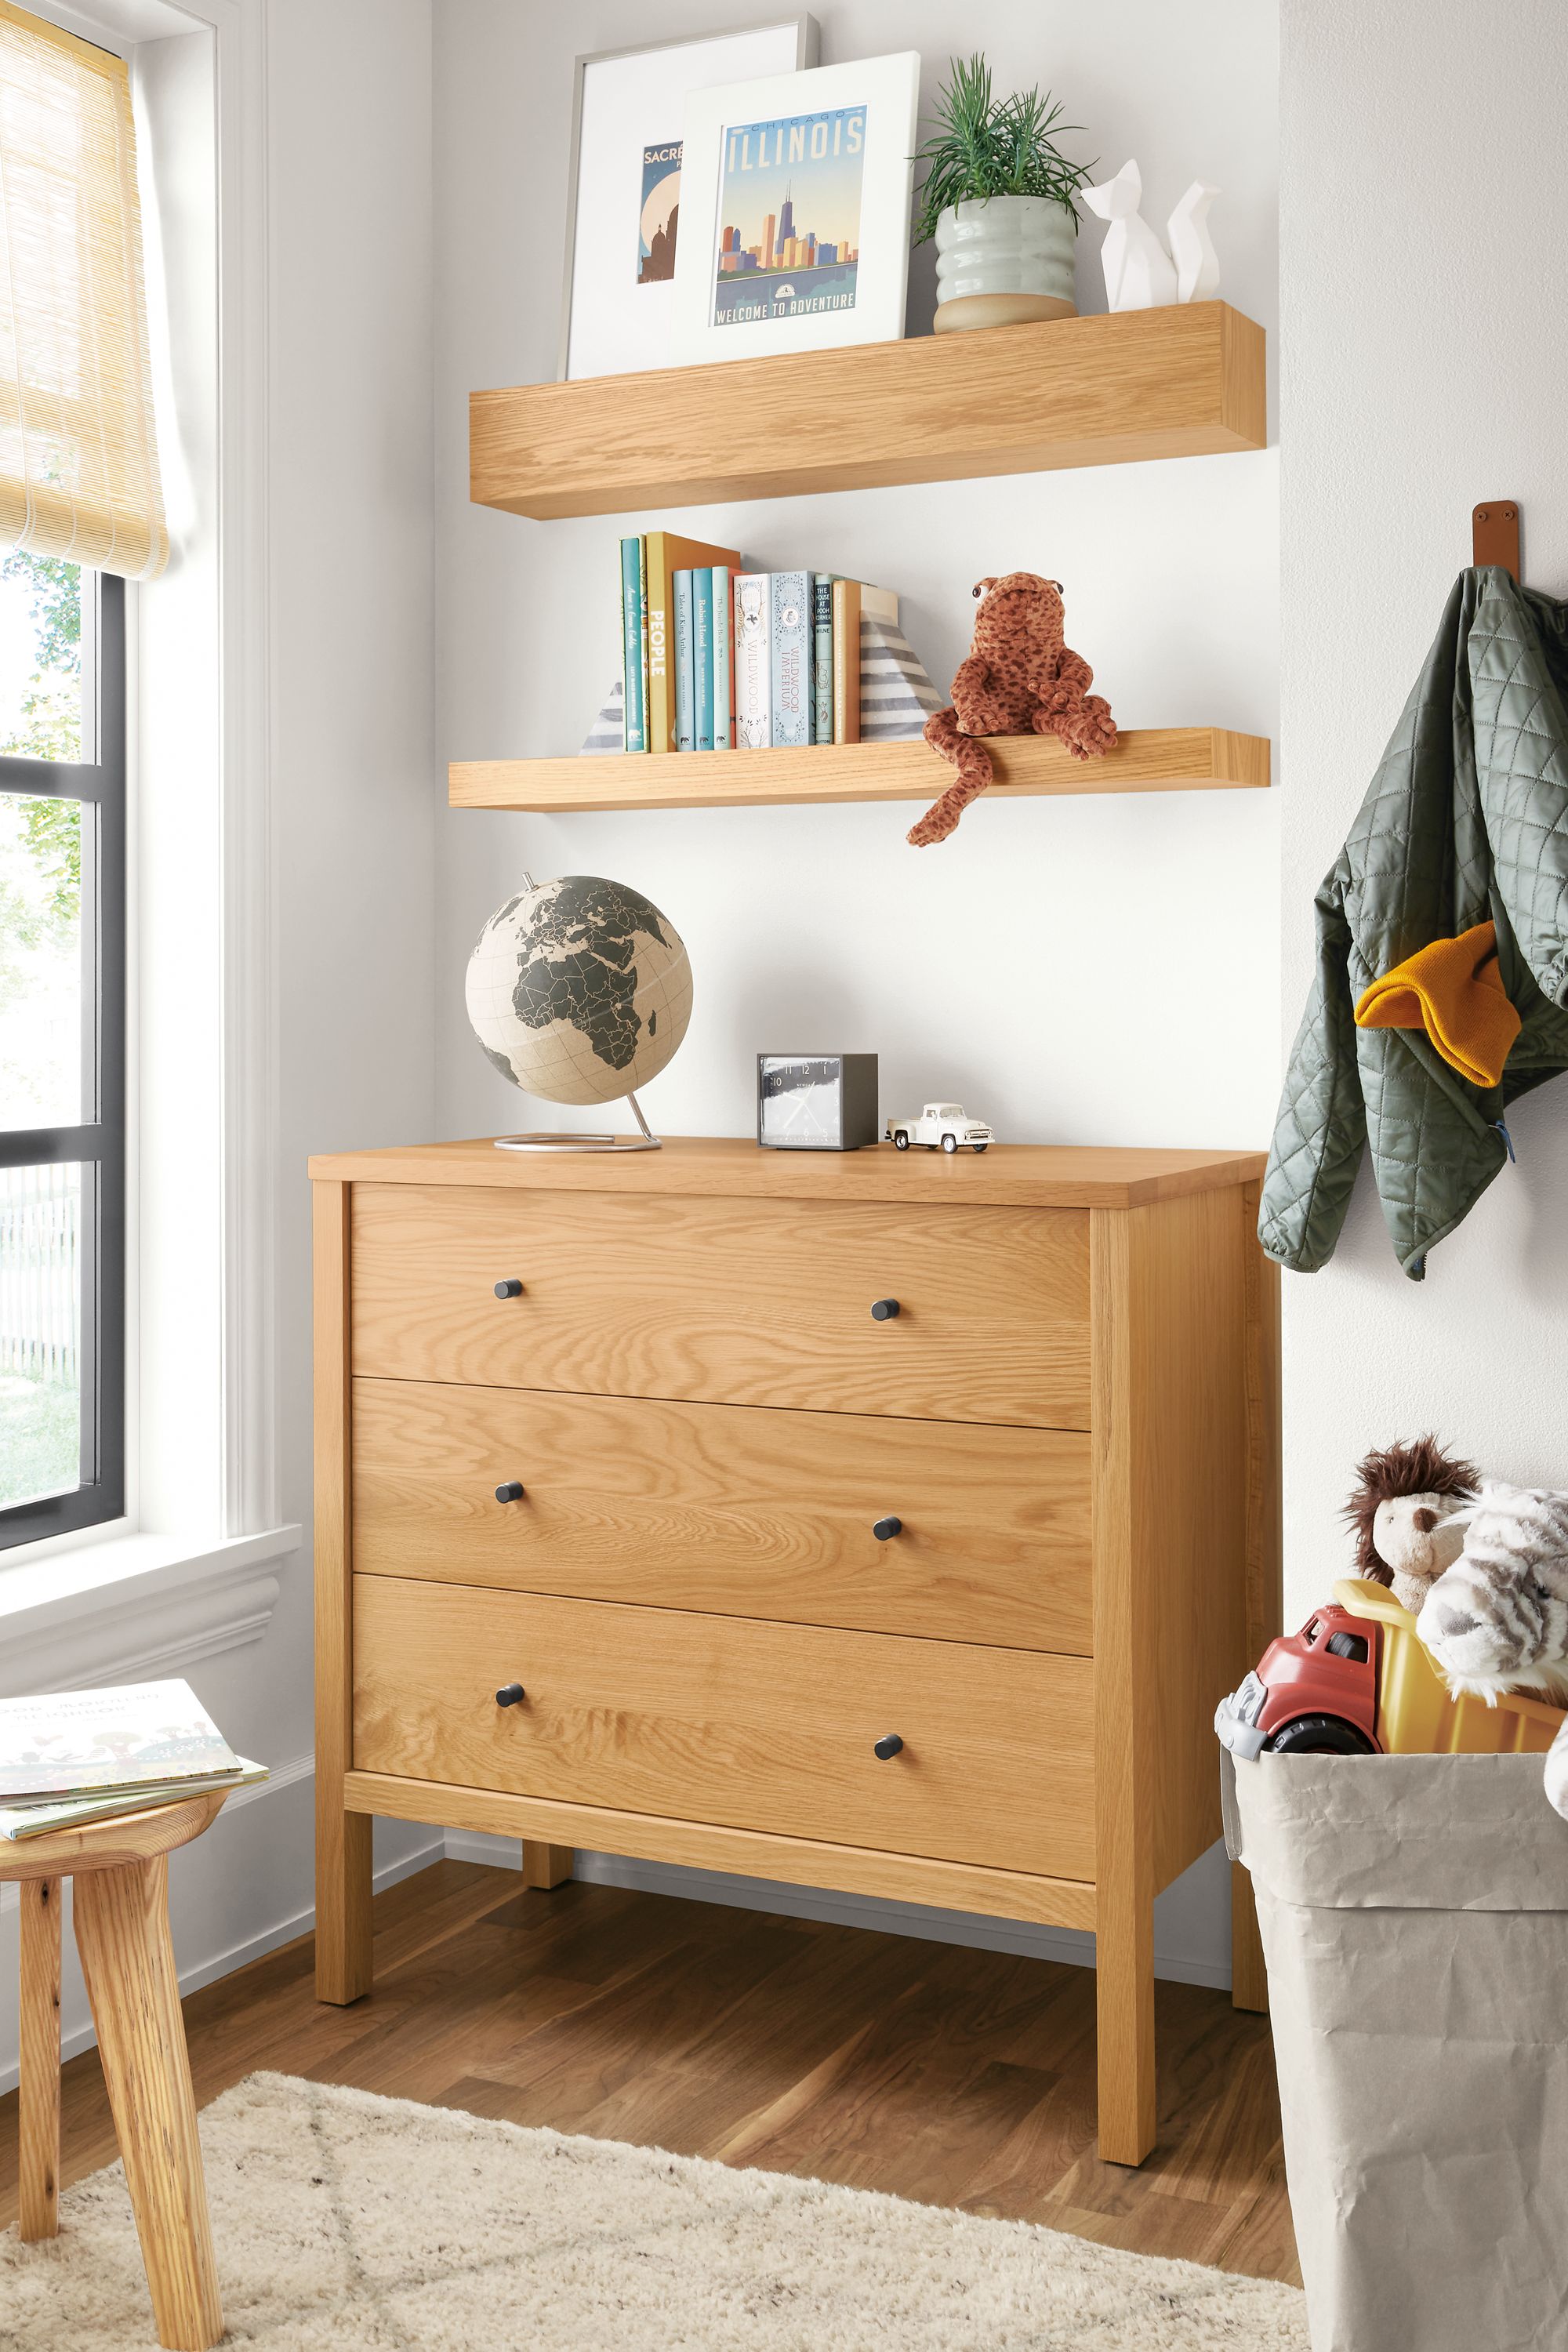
column 710, row 1846
column 343, row 1839
column 121, row 1919
column 38, row 2104
column 760, row 1726
column 751, row 1513
column 544, row 1865
column 725, row 1167
column 738, row 1302
column 1183, row 380
column 105, row 1844
column 1148, row 760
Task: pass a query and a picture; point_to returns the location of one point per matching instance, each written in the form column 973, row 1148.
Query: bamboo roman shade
column 78, row 460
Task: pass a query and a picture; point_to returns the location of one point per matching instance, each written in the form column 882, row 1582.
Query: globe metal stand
column 647, row 1141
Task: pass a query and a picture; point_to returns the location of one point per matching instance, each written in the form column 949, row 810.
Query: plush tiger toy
column 1481, row 1566
column 1498, row 1619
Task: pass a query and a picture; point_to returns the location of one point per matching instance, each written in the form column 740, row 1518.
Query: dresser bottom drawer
column 747, row 1724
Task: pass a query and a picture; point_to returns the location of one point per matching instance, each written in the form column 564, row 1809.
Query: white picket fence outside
column 40, row 1272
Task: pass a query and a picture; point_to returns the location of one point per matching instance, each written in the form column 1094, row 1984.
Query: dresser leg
column 1124, row 2003
column 547, row 1865
column 343, row 1971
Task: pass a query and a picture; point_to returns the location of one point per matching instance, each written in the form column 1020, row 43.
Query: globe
column 579, row 990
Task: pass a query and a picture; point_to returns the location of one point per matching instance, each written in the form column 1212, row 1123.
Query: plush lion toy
column 1407, row 1512
column 1018, row 677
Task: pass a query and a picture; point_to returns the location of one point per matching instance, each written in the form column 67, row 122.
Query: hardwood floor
column 956, row 2078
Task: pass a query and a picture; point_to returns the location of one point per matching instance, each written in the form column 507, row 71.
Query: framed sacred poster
column 623, row 200
column 795, row 211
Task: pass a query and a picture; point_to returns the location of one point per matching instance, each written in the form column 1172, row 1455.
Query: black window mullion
column 52, row 780
column 97, row 1143
column 42, row 1147
column 105, row 1349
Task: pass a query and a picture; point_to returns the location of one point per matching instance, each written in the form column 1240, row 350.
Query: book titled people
column 69, row 1756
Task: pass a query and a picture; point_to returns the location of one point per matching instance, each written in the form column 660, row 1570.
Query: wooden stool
column 121, row 1911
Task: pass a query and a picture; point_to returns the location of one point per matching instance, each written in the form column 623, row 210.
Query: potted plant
column 997, row 195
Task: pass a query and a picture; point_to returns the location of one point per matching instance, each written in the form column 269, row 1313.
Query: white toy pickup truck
column 940, row 1123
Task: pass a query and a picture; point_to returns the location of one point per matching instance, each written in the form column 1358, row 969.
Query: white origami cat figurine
column 1192, row 248
column 1140, row 274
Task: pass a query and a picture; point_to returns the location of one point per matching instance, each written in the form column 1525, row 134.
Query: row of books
column 717, row 656
column 69, row 1757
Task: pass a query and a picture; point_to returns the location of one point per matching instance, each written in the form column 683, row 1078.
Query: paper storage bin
column 1414, row 1911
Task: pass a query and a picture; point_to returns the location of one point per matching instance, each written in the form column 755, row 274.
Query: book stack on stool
column 100, row 1787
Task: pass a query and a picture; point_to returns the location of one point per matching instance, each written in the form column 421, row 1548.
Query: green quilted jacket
column 1466, row 819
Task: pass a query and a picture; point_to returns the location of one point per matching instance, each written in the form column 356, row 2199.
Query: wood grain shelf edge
column 1187, row 380
column 1146, row 760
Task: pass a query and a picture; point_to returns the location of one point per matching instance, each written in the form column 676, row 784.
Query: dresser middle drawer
column 984, row 1531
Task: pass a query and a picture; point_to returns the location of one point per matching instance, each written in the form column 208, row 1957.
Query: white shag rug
column 349, row 2223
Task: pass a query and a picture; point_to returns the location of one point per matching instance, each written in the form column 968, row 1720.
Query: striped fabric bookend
column 897, row 697
column 608, row 732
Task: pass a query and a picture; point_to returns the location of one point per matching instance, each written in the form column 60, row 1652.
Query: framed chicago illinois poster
column 795, row 196
column 624, row 185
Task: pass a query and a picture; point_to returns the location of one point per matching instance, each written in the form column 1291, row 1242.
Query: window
column 78, row 488
column 62, row 1046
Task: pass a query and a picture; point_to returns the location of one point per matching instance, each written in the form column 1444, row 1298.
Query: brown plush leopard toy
column 1018, row 677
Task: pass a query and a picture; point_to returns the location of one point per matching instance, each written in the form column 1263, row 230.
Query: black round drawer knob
column 884, row 1310
column 510, row 1694
column 510, row 1492
column 887, row 1747
column 511, row 1289
column 887, row 1528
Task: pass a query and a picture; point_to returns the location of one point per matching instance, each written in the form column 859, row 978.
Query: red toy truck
column 1358, row 1680
column 1312, row 1693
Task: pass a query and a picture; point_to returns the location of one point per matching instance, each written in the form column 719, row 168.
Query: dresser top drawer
column 984, row 1311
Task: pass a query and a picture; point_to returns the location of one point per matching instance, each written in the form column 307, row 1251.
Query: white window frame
column 189, row 1569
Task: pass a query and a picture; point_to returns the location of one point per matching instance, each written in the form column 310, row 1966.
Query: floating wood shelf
column 1150, row 760
column 1182, row 382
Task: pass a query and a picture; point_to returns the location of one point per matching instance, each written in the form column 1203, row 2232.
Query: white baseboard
column 971, row 1928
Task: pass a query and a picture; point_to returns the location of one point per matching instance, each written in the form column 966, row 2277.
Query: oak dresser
column 880, row 1522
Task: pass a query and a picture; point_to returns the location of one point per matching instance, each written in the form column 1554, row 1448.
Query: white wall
column 351, row 522
column 348, row 619
column 1074, row 971
column 1424, row 349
